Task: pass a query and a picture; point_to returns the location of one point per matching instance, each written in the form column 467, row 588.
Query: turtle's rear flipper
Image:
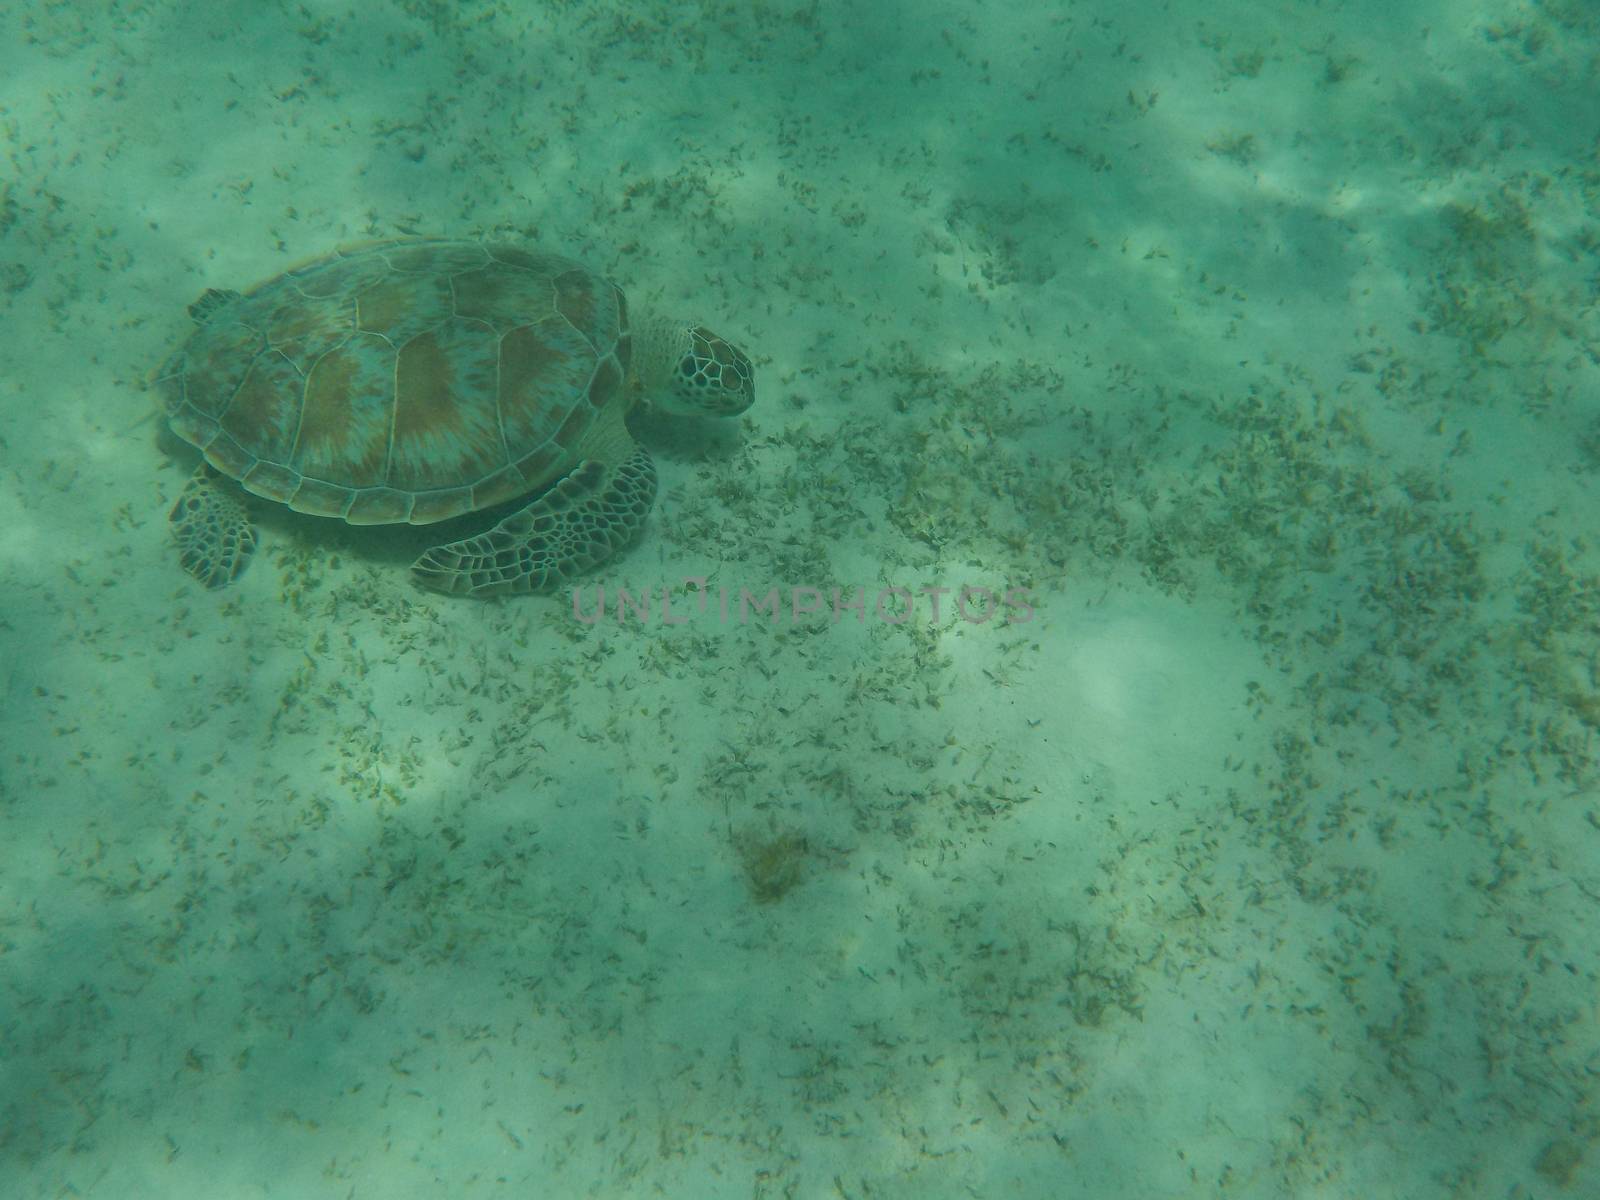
column 211, row 302
column 212, row 528
column 582, row 521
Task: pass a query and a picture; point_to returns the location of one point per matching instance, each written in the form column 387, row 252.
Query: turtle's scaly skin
column 402, row 381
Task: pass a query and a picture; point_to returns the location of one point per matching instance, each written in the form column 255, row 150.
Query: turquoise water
column 1116, row 717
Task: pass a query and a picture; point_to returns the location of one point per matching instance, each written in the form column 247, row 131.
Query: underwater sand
column 1258, row 343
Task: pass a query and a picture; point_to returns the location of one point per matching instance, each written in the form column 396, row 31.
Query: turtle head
column 707, row 377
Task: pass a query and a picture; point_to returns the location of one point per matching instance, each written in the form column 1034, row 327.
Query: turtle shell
column 403, row 381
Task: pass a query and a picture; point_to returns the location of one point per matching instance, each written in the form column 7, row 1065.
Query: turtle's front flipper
column 580, row 522
column 212, row 528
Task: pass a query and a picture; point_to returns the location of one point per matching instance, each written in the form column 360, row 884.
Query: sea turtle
column 417, row 380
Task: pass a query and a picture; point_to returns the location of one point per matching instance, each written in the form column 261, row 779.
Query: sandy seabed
column 1257, row 343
